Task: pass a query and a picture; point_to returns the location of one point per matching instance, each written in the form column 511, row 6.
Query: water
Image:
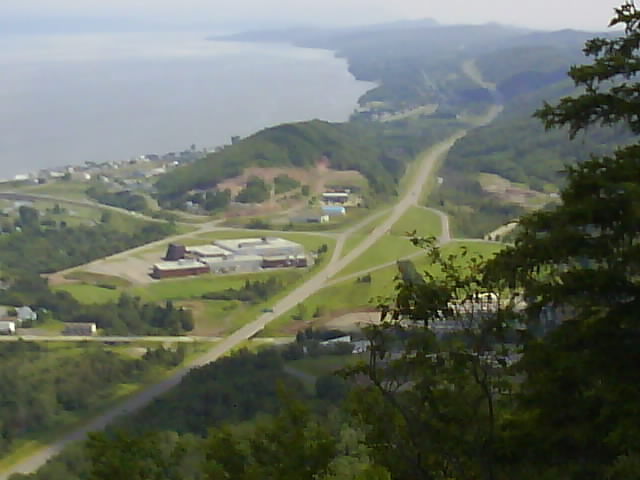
column 70, row 99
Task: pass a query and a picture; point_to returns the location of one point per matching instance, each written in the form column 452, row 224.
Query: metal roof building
column 264, row 247
column 208, row 251
column 180, row 268
column 236, row 263
column 7, row 328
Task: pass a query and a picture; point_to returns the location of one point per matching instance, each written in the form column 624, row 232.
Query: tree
column 29, row 217
column 433, row 410
column 580, row 398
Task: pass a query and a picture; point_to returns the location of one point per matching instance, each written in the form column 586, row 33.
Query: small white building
column 24, row 314
column 7, row 327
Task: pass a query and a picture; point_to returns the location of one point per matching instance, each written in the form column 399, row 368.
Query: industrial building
column 226, row 256
column 179, row 268
column 263, row 247
column 283, row 261
column 236, row 263
column 208, row 251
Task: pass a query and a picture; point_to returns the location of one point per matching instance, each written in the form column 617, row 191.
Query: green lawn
column 341, row 297
column 63, row 189
column 98, row 279
column 85, row 293
column 396, row 244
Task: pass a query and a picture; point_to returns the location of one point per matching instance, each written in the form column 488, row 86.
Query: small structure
column 79, row 329
column 283, row 261
column 181, row 268
column 333, row 341
column 175, row 252
column 310, row 217
column 7, row 327
column 333, row 198
column 264, row 247
column 208, row 251
column 334, row 210
column 25, row 314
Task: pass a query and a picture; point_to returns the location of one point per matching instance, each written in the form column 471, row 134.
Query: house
column 7, row 327
column 335, row 198
column 25, row 314
column 79, row 329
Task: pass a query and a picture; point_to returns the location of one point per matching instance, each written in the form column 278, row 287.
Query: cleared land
column 396, row 244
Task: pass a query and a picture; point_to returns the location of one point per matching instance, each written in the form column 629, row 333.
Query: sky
column 541, row 14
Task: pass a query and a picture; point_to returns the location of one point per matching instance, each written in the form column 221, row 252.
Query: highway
column 428, row 160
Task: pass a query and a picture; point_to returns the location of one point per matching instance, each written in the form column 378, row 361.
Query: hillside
column 379, row 152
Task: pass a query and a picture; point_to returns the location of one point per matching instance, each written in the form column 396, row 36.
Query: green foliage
column 42, row 386
column 252, row 292
column 233, row 389
column 123, row 199
column 379, row 152
column 284, row 183
column 47, row 250
column 255, row 191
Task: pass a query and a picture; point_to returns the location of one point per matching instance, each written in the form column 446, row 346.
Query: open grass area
column 72, row 190
column 346, row 296
column 98, row 279
column 86, row 293
column 396, row 244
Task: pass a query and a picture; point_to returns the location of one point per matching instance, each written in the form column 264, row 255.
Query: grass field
column 396, row 244
column 63, row 189
column 98, row 279
column 85, row 293
column 345, row 296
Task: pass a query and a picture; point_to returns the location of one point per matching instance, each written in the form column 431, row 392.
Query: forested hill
column 380, row 152
column 419, row 62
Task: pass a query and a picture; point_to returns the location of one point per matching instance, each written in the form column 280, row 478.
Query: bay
column 67, row 99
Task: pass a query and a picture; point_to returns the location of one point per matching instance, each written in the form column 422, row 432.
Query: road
column 428, row 160
column 74, row 338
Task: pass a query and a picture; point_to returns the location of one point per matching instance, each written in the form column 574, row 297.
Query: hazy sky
column 547, row 14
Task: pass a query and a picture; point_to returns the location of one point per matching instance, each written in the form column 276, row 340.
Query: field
column 71, row 190
column 352, row 295
column 395, row 244
column 89, row 293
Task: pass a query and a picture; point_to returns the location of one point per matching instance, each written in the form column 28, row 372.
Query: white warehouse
column 237, row 264
column 263, row 247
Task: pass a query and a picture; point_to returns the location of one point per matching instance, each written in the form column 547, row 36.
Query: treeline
column 128, row 316
column 252, row 292
column 379, row 152
column 246, row 388
column 42, row 387
column 122, row 199
column 44, row 250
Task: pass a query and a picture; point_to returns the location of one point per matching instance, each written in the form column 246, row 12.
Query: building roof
column 275, row 258
column 25, row 313
column 184, row 264
column 335, row 194
column 333, row 208
column 240, row 243
column 232, row 259
column 7, row 324
column 208, row 250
